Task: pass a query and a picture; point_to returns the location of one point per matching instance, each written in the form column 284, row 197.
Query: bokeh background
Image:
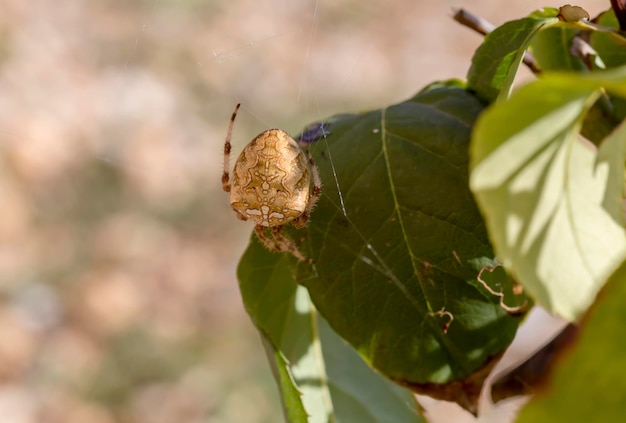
column 118, row 250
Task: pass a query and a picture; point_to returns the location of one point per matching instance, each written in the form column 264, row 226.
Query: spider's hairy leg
column 285, row 244
column 269, row 242
column 227, row 148
column 278, row 242
column 302, row 220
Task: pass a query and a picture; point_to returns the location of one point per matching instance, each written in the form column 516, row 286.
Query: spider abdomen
column 271, row 180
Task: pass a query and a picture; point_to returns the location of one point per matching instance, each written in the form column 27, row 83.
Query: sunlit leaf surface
column 551, row 201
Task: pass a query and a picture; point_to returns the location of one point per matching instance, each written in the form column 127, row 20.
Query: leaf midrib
column 453, row 352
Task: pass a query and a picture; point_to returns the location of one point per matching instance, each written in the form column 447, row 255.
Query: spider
column 271, row 185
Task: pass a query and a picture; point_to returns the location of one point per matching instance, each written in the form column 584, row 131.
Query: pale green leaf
column 551, row 201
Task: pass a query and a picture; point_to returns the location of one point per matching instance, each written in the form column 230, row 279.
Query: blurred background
column 118, row 249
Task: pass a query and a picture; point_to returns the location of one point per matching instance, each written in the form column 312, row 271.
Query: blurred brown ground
column 118, row 295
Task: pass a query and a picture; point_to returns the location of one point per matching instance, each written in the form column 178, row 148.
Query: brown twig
column 478, row 24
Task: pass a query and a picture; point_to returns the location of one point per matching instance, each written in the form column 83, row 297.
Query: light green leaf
column 551, row 202
column 321, row 379
column 588, row 383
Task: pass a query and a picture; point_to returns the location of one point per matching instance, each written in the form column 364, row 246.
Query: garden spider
column 271, row 186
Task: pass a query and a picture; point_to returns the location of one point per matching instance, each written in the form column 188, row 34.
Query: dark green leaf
column 396, row 240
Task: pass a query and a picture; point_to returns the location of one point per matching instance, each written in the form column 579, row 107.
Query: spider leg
column 286, row 244
column 302, row 220
column 277, row 242
column 268, row 241
column 227, row 147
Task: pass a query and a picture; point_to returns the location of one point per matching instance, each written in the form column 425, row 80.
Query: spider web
column 112, row 123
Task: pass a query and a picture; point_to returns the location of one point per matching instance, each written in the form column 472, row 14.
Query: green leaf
column 495, row 62
column 358, row 393
column 610, row 45
column 589, row 381
column 551, row 202
column 268, row 292
column 551, row 49
column 291, row 397
column 320, row 378
column 398, row 243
